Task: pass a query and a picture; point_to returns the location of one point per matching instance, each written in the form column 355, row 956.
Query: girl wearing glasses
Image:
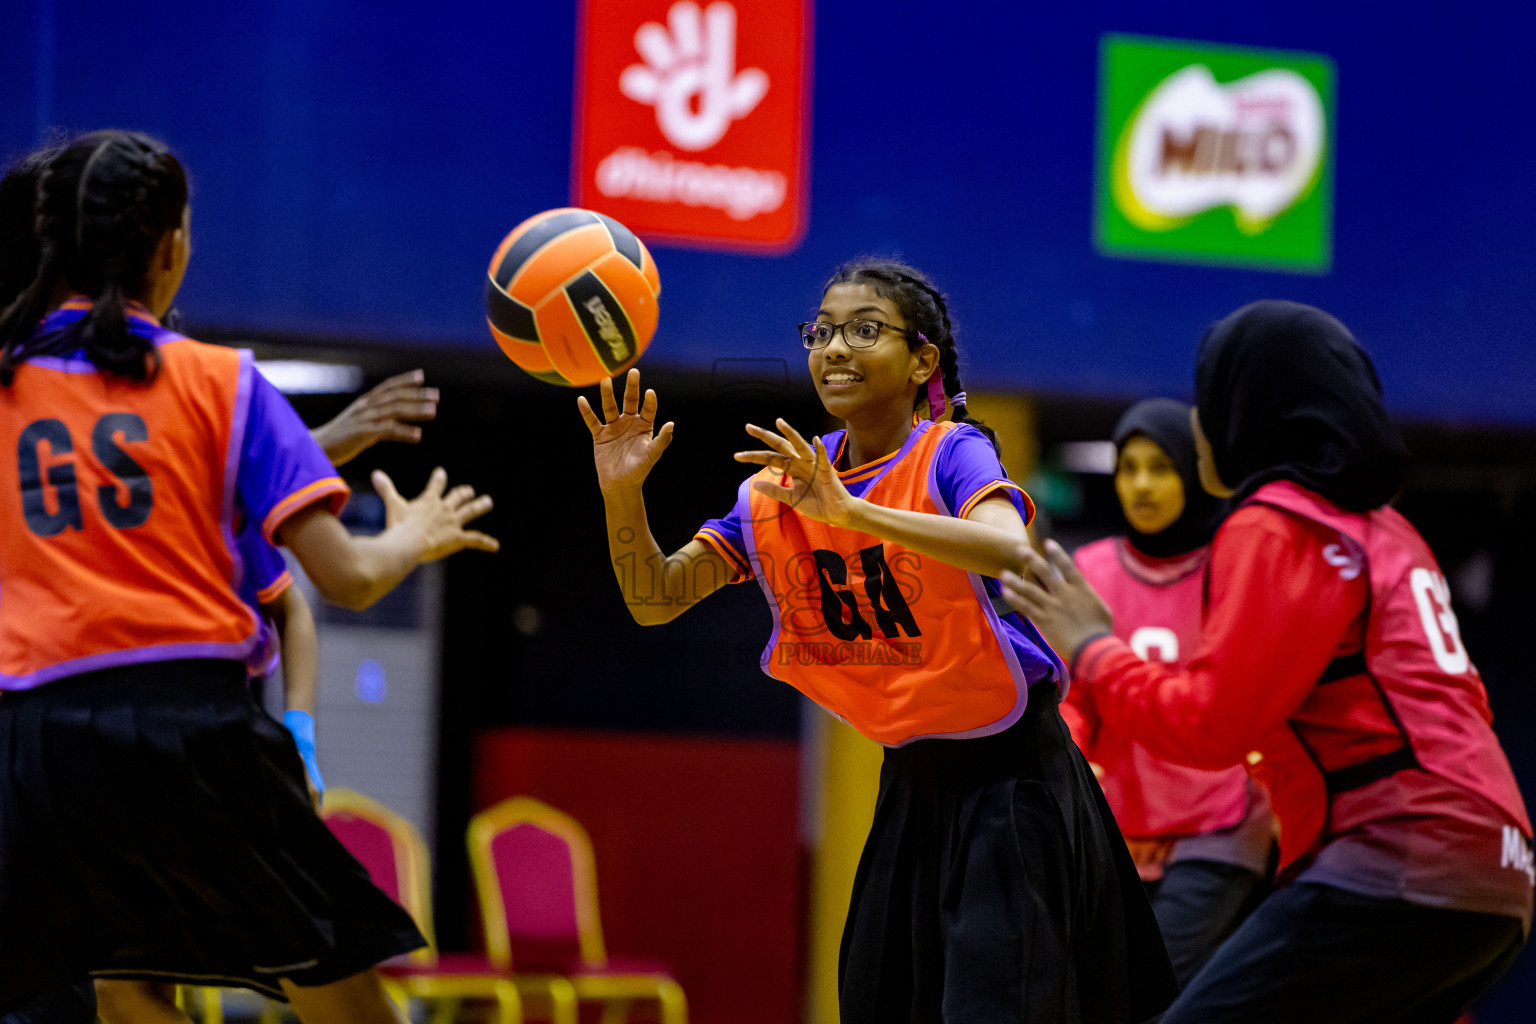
column 994, row 884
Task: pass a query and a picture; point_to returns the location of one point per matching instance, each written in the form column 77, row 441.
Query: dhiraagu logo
column 1215, row 154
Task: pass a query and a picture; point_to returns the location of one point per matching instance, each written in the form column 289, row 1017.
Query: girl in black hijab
column 1331, row 665
column 1201, row 839
column 1286, row 393
column 1165, row 423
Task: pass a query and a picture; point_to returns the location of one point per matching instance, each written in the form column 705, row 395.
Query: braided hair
column 927, row 313
column 102, row 205
column 19, row 248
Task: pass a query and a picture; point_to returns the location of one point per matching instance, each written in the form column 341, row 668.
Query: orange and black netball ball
column 571, row 296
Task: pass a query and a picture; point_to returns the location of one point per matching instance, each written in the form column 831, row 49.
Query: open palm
column 625, row 445
column 807, row 483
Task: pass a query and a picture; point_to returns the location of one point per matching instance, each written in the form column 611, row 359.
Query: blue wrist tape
column 302, row 725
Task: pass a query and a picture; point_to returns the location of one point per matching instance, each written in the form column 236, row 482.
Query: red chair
column 397, row 861
column 537, row 883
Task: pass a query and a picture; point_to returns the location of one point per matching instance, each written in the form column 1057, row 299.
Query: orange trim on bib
column 737, row 561
column 332, row 488
column 274, row 590
column 855, row 474
column 991, row 489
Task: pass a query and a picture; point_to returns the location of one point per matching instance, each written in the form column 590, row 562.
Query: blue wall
column 355, row 165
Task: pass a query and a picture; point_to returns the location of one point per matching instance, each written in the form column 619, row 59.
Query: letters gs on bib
column 48, row 477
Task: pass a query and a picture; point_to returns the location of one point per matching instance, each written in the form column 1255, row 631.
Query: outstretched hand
column 1151, row 856
column 1053, row 595
column 624, row 446
column 388, row 412
column 439, row 517
column 807, row 482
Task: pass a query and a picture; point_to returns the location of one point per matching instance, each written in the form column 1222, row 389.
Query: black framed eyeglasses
column 859, row 333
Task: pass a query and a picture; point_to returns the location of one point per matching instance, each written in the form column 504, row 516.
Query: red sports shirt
column 1156, row 603
column 1289, row 596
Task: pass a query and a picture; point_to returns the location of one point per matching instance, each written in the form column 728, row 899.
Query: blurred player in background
column 1331, row 664
column 1201, row 840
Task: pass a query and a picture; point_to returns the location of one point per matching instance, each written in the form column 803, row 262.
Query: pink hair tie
column 935, row 398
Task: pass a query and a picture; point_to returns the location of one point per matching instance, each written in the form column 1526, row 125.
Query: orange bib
column 114, row 529
column 899, row 645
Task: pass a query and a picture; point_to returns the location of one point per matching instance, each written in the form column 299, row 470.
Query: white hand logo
column 697, row 59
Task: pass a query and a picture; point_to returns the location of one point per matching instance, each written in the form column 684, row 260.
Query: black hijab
column 1286, row 393
column 1165, row 423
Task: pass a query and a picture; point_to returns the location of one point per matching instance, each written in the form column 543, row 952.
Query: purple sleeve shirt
column 266, row 571
column 967, row 471
column 264, row 580
column 282, row 469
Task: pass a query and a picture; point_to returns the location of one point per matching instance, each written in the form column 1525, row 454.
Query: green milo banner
column 1214, row 154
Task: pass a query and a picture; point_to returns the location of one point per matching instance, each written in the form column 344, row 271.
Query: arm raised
column 657, row 587
column 389, row 412
column 354, row 572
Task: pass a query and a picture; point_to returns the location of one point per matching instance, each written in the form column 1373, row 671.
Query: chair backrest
column 393, row 852
column 537, row 883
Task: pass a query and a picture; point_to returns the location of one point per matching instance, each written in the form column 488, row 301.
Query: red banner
column 691, row 119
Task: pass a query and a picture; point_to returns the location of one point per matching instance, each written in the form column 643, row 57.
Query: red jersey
column 1372, row 736
column 1156, row 603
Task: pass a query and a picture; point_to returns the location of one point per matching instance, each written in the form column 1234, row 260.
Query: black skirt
column 995, row 886
column 154, row 824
